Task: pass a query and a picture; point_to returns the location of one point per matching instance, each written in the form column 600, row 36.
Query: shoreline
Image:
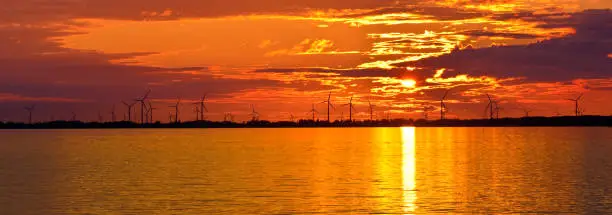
column 561, row 121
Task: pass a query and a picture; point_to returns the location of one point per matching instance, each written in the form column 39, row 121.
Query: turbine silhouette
column 577, row 104
column 142, row 105
column 443, row 109
column 30, row 109
column 329, row 105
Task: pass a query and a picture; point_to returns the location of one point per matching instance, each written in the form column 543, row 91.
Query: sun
column 409, row 83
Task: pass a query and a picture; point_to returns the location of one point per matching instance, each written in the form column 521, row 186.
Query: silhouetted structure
column 129, row 109
column 176, row 109
column 443, row 108
column 351, row 108
column 100, row 118
column 527, row 111
column 577, row 105
column 329, row 104
column 254, row 114
column 313, row 111
column 151, row 109
column 113, row 116
column 142, row 105
column 202, row 107
column 505, row 122
column 426, row 110
column 490, row 107
column 30, row 109
column 371, row 109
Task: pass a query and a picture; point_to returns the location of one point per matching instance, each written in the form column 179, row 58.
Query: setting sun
column 409, row 83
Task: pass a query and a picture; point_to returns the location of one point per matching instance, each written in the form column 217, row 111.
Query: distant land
column 601, row 121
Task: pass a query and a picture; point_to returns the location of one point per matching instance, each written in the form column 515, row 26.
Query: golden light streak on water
column 409, row 169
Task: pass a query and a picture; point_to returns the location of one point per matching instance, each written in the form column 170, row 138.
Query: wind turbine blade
column 146, row 94
column 487, row 108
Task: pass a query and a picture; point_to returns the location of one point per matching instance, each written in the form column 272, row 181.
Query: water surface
column 307, row 171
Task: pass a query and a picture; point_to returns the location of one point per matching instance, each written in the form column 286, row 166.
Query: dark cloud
column 581, row 55
column 436, row 12
column 53, row 10
column 355, row 73
column 480, row 33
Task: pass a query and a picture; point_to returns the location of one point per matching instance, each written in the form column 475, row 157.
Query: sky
column 282, row 56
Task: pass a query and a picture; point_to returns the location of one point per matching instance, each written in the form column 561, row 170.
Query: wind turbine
column 100, row 118
column 73, row 116
column 151, row 111
column 351, row 108
column 313, row 111
column 142, row 105
column 113, row 116
column 176, row 110
column 147, row 113
column 329, row 104
column 426, row 110
column 576, row 102
column 30, row 109
column 371, row 109
column 443, row 108
column 202, row 107
column 197, row 111
column 292, row 118
column 490, row 107
column 129, row 107
column 497, row 109
column 254, row 114
column 228, row 117
column 527, row 111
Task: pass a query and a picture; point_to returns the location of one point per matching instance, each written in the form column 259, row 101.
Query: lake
column 307, row 171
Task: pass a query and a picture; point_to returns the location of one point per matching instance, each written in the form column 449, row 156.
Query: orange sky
column 283, row 56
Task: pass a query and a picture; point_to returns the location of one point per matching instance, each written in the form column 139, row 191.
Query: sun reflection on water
column 409, row 169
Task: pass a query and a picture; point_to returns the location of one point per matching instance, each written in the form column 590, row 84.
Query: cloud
column 48, row 10
column 328, row 72
column 582, row 55
column 482, row 33
column 10, row 97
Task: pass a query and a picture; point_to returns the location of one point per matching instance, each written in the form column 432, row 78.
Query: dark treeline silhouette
column 503, row 122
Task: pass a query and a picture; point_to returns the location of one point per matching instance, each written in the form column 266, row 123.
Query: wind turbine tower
column 176, row 109
column 30, row 109
column 351, row 108
column 142, row 105
column 329, row 105
column 129, row 106
column 254, row 114
column 577, row 105
column 113, row 116
column 443, row 108
column 371, row 109
column 313, row 111
column 490, row 107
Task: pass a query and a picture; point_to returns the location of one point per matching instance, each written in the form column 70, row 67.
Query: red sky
column 85, row 56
